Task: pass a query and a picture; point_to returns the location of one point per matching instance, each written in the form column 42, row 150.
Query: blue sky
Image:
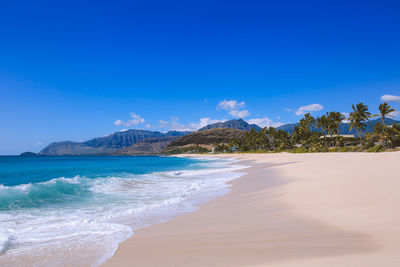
column 73, row 70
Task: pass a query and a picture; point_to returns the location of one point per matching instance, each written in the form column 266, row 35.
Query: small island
column 28, row 154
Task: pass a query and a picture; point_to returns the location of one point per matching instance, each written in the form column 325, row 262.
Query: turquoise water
column 58, row 204
column 19, row 172
column 23, row 170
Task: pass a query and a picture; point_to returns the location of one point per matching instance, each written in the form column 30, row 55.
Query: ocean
column 74, row 211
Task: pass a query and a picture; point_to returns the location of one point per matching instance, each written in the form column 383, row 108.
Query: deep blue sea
column 78, row 209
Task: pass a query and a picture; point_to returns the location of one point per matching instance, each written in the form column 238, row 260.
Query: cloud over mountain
column 264, row 122
column 234, row 107
column 135, row 120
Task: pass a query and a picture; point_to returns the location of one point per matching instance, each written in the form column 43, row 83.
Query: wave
column 60, row 191
column 102, row 211
column 5, row 240
column 55, row 191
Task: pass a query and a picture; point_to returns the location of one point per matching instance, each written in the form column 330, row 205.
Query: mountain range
column 149, row 142
column 239, row 124
column 110, row 144
column 148, row 146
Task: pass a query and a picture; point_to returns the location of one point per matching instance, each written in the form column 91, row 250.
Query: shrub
column 260, row 151
column 345, row 149
column 396, row 142
column 323, row 149
column 318, row 147
column 377, row 148
column 369, row 144
column 190, row 149
column 299, row 150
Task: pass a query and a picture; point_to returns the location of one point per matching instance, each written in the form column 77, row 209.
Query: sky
column 74, row 70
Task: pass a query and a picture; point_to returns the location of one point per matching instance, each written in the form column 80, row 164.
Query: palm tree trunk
column 358, row 132
column 337, row 136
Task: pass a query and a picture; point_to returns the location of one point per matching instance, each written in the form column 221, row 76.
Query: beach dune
column 332, row 209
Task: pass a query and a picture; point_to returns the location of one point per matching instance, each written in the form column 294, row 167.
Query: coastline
column 105, row 210
column 289, row 209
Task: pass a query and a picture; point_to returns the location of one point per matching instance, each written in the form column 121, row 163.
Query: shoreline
column 141, row 200
column 238, row 168
column 289, row 209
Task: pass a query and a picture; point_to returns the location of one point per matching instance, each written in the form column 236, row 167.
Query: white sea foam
column 4, row 241
column 107, row 212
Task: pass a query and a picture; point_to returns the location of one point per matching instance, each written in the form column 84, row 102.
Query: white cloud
column 176, row 126
column 239, row 113
column 119, row 122
column 234, row 108
column 390, row 98
column 135, row 120
column 39, row 143
column 288, row 110
column 203, row 122
column 305, row 109
column 394, row 114
column 230, row 105
column 346, row 115
column 162, row 123
column 193, row 126
column 264, row 122
column 147, row 126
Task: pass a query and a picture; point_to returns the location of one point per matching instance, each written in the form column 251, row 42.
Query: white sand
column 333, row 209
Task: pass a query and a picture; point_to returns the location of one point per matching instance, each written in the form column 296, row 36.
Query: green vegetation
column 187, row 149
column 358, row 117
column 310, row 135
column 377, row 148
column 322, row 134
column 203, row 141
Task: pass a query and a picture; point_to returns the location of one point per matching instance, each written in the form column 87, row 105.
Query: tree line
column 326, row 137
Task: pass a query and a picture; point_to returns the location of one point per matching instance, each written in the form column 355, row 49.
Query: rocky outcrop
column 28, row 154
column 205, row 138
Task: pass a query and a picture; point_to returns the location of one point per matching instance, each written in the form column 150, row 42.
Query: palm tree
column 309, row 120
column 296, row 135
column 357, row 117
column 262, row 139
column 378, row 134
column 384, row 110
column 305, row 134
column 306, row 123
column 391, row 134
column 323, row 124
column 336, row 118
column 283, row 140
column 385, row 135
column 271, row 133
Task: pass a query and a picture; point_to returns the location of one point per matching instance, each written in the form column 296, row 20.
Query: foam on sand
column 90, row 217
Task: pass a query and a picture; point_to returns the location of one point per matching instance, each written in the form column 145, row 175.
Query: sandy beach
column 330, row 209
